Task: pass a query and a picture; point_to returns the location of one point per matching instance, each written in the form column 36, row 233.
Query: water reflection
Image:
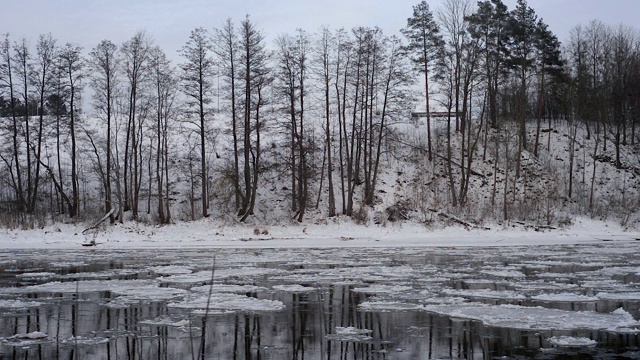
column 119, row 305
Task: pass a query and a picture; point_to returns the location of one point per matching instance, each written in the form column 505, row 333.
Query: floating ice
column 225, row 288
column 36, row 275
column 350, row 334
column 570, row 341
column 486, row 294
column 84, row 286
column 564, row 297
column 538, row 318
column 166, row 321
column 620, row 296
column 225, row 301
column 150, row 293
column 350, row 330
column 504, row 273
column 294, row 288
column 18, row 304
column 382, row 289
column 387, row 306
column 20, row 340
column 84, row 340
column 206, row 276
column 171, row 270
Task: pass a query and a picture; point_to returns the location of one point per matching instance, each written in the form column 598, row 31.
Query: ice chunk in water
column 570, row 341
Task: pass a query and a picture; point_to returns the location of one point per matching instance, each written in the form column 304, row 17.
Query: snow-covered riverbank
column 208, row 233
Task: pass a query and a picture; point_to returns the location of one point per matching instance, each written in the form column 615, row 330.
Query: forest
column 473, row 113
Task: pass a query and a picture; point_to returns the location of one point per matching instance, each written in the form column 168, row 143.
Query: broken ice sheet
column 387, row 306
column 486, row 294
column 18, row 304
column 294, row 288
column 350, row 334
column 382, row 289
column 570, row 341
column 564, row 297
column 538, row 318
column 228, row 301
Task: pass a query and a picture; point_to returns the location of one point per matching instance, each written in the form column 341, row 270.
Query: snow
column 199, row 234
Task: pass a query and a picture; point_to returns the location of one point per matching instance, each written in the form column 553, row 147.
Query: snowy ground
column 208, row 233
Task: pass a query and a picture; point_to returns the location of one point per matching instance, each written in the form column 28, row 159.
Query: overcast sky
column 169, row 22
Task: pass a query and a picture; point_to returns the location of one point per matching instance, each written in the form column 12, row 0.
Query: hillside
column 410, row 188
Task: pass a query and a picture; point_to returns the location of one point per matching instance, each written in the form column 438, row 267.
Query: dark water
column 148, row 304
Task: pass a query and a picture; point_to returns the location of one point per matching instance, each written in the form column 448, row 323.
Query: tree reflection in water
column 101, row 325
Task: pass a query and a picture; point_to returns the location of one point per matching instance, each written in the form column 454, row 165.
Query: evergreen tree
column 425, row 47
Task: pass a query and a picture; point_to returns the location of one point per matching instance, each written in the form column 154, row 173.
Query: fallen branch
column 99, row 221
column 535, row 227
column 473, row 172
column 458, row 221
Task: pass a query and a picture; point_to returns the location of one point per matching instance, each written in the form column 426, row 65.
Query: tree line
column 315, row 113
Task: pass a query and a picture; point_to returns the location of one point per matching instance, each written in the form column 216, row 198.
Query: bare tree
column 198, row 87
column 104, row 65
column 42, row 76
column 135, row 58
column 325, row 46
column 256, row 76
column 165, row 85
column 71, row 66
column 226, row 47
column 6, row 69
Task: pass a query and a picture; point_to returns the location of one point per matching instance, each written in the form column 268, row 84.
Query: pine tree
column 425, row 46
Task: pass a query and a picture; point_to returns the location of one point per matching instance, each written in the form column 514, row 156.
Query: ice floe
column 18, row 304
column 387, row 306
column 294, row 288
column 382, row 289
column 564, row 297
column 171, row 270
column 620, row 296
column 84, row 340
column 84, row 286
column 350, row 334
column 227, row 301
column 486, row 294
column 570, row 341
column 538, row 318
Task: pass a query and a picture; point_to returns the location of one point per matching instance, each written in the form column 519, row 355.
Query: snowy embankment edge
column 210, row 234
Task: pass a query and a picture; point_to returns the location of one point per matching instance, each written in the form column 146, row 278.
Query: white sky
column 169, row 22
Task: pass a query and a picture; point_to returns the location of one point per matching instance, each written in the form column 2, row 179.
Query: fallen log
column 99, row 221
column 458, row 221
